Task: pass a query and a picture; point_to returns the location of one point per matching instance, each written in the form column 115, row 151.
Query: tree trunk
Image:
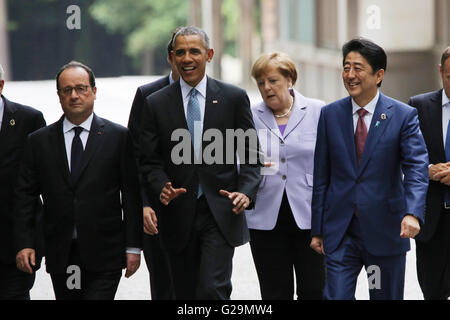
column 246, row 39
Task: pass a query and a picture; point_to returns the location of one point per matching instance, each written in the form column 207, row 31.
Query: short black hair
column 170, row 44
column 373, row 53
column 76, row 64
column 445, row 56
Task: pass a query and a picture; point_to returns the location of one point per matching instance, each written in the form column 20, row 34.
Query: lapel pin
column 12, row 122
column 215, row 101
column 99, row 132
column 377, row 124
column 383, row 116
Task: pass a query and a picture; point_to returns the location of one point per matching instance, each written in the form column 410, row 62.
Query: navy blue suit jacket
column 375, row 189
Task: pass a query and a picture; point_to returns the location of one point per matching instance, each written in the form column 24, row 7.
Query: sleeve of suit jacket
column 27, row 190
column 321, row 176
column 414, row 165
column 131, row 201
column 135, row 127
column 150, row 160
column 250, row 168
column 25, row 227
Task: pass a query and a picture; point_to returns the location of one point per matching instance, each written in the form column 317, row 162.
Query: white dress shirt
column 201, row 96
column 2, row 107
column 370, row 108
column 445, row 114
column 68, row 138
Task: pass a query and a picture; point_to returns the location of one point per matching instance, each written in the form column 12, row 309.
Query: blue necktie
column 447, row 159
column 193, row 115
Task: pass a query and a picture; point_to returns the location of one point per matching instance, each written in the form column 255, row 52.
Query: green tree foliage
column 147, row 24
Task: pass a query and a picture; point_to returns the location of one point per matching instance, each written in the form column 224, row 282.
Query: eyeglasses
column 67, row 91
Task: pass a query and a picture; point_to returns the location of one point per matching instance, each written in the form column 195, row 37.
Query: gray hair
column 2, row 73
column 193, row 31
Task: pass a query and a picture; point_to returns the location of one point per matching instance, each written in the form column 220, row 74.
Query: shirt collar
column 445, row 99
column 171, row 78
column 86, row 125
column 186, row 89
column 370, row 107
column 2, row 105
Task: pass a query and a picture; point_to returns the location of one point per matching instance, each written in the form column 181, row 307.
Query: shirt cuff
column 134, row 250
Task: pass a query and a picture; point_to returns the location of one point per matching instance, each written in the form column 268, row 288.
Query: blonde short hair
column 281, row 61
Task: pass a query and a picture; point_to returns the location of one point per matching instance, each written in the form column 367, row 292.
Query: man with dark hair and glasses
column 84, row 168
column 155, row 257
column 370, row 181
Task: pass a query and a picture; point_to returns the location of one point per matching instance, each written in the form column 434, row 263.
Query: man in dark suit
column 363, row 211
column 84, row 168
column 201, row 220
column 155, row 256
column 16, row 122
column 433, row 241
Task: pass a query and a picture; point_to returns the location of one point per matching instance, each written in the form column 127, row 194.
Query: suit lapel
column 434, row 112
column 61, row 153
column 8, row 122
column 176, row 108
column 348, row 130
column 380, row 120
column 213, row 105
column 298, row 113
column 93, row 143
column 267, row 118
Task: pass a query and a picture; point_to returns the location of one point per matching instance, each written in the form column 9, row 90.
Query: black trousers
column 433, row 261
column 15, row 284
column 157, row 261
column 80, row 284
column 279, row 252
column 203, row 269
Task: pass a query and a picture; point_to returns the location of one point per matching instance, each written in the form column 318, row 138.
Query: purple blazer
column 293, row 155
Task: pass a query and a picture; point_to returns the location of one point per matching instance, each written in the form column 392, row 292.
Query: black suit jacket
column 18, row 121
column 226, row 107
column 429, row 108
column 134, row 122
column 106, row 187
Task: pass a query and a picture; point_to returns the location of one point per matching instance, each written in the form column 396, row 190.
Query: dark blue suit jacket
column 375, row 188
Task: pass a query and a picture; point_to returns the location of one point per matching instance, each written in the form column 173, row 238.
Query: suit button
column 283, row 160
column 283, row 177
column 358, row 181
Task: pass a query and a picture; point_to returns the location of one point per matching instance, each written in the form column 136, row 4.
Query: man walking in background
column 155, row 256
column 16, row 122
column 433, row 241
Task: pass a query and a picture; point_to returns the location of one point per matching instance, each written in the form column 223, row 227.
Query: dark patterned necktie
column 360, row 134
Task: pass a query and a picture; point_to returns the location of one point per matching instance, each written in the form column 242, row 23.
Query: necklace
column 286, row 113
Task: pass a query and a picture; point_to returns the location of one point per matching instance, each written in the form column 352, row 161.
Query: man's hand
column 150, row 221
column 169, row 193
column 440, row 172
column 317, row 245
column 410, row 227
column 240, row 200
column 25, row 259
column 435, row 169
column 133, row 263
